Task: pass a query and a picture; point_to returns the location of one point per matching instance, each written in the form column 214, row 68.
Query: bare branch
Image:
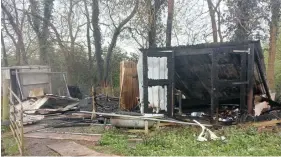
column 115, row 36
column 51, row 25
column 110, row 16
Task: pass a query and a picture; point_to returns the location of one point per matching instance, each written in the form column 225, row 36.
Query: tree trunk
column 153, row 14
column 97, row 38
column 275, row 11
column 5, row 59
column 114, row 40
column 22, row 50
column 152, row 25
column 58, row 37
column 13, row 40
column 169, row 22
column 241, row 33
column 89, row 38
column 43, row 32
column 219, row 24
column 20, row 53
column 45, row 46
column 213, row 20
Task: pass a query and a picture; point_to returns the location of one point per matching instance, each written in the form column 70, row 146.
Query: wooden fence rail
column 16, row 123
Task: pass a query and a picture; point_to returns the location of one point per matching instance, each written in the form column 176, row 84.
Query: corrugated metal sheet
column 157, row 95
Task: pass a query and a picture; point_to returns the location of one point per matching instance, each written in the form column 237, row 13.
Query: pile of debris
column 35, row 108
column 104, row 103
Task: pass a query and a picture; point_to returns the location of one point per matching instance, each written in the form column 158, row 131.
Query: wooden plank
column 59, row 136
column 168, row 124
column 36, row 92
column 267, row 123
column 129, row 88
column 73, row 149
column 30, row 128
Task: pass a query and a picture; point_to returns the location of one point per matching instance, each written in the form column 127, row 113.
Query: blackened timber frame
column 214, row 82
column 245, row 83
column 169, row 82
column 245, row 80
column 250, row 77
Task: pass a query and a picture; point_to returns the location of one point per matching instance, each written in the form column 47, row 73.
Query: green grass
column 5, row 129
column 182, row 141
column 9, row 142
column 10, row 145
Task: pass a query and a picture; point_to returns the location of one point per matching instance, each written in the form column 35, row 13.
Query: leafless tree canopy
column 88, row 38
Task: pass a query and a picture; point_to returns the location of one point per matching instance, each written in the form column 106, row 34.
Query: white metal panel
column 157, row 95
column 34, row 76
column 5, row 73
column 33, row 79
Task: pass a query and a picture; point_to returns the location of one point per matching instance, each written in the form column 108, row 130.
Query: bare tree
column 12, row 38
column 275, row 19
column 57, row 35
column 216, row 25
column 152, row 18
column 219, row 21
column 3, row 49
column 103, row 74
column 169, row 22
column 41, row 27
column 87, row 14
column 97, row 38
column 116, row 33
column 16, row 24
column 213, row 20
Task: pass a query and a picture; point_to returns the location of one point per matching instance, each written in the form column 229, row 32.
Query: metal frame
column 15, row 83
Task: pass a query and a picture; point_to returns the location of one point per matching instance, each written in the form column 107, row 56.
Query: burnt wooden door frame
column 245, row 81
column 159, row 82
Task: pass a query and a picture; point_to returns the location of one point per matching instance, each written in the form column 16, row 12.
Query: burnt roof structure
column 212, row 74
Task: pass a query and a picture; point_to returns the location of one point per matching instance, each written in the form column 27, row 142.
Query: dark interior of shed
column 218, row 80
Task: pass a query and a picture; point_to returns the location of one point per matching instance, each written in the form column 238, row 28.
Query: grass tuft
column 182, row 141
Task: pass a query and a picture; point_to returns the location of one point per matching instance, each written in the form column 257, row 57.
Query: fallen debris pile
column 106, row 104
column 34, row 108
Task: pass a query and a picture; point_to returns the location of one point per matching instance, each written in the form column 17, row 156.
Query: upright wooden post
column 5, row 103
column 180, row 102
column 250, row 68
column 21, row 130
column 146, row 127
column 93, row 103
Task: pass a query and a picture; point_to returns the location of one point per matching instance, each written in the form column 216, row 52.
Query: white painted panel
column 157, row 95
column 35, row 78
column 140, row 78
column 5, row 73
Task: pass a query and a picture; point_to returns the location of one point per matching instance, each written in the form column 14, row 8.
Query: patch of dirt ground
column 39, row 147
